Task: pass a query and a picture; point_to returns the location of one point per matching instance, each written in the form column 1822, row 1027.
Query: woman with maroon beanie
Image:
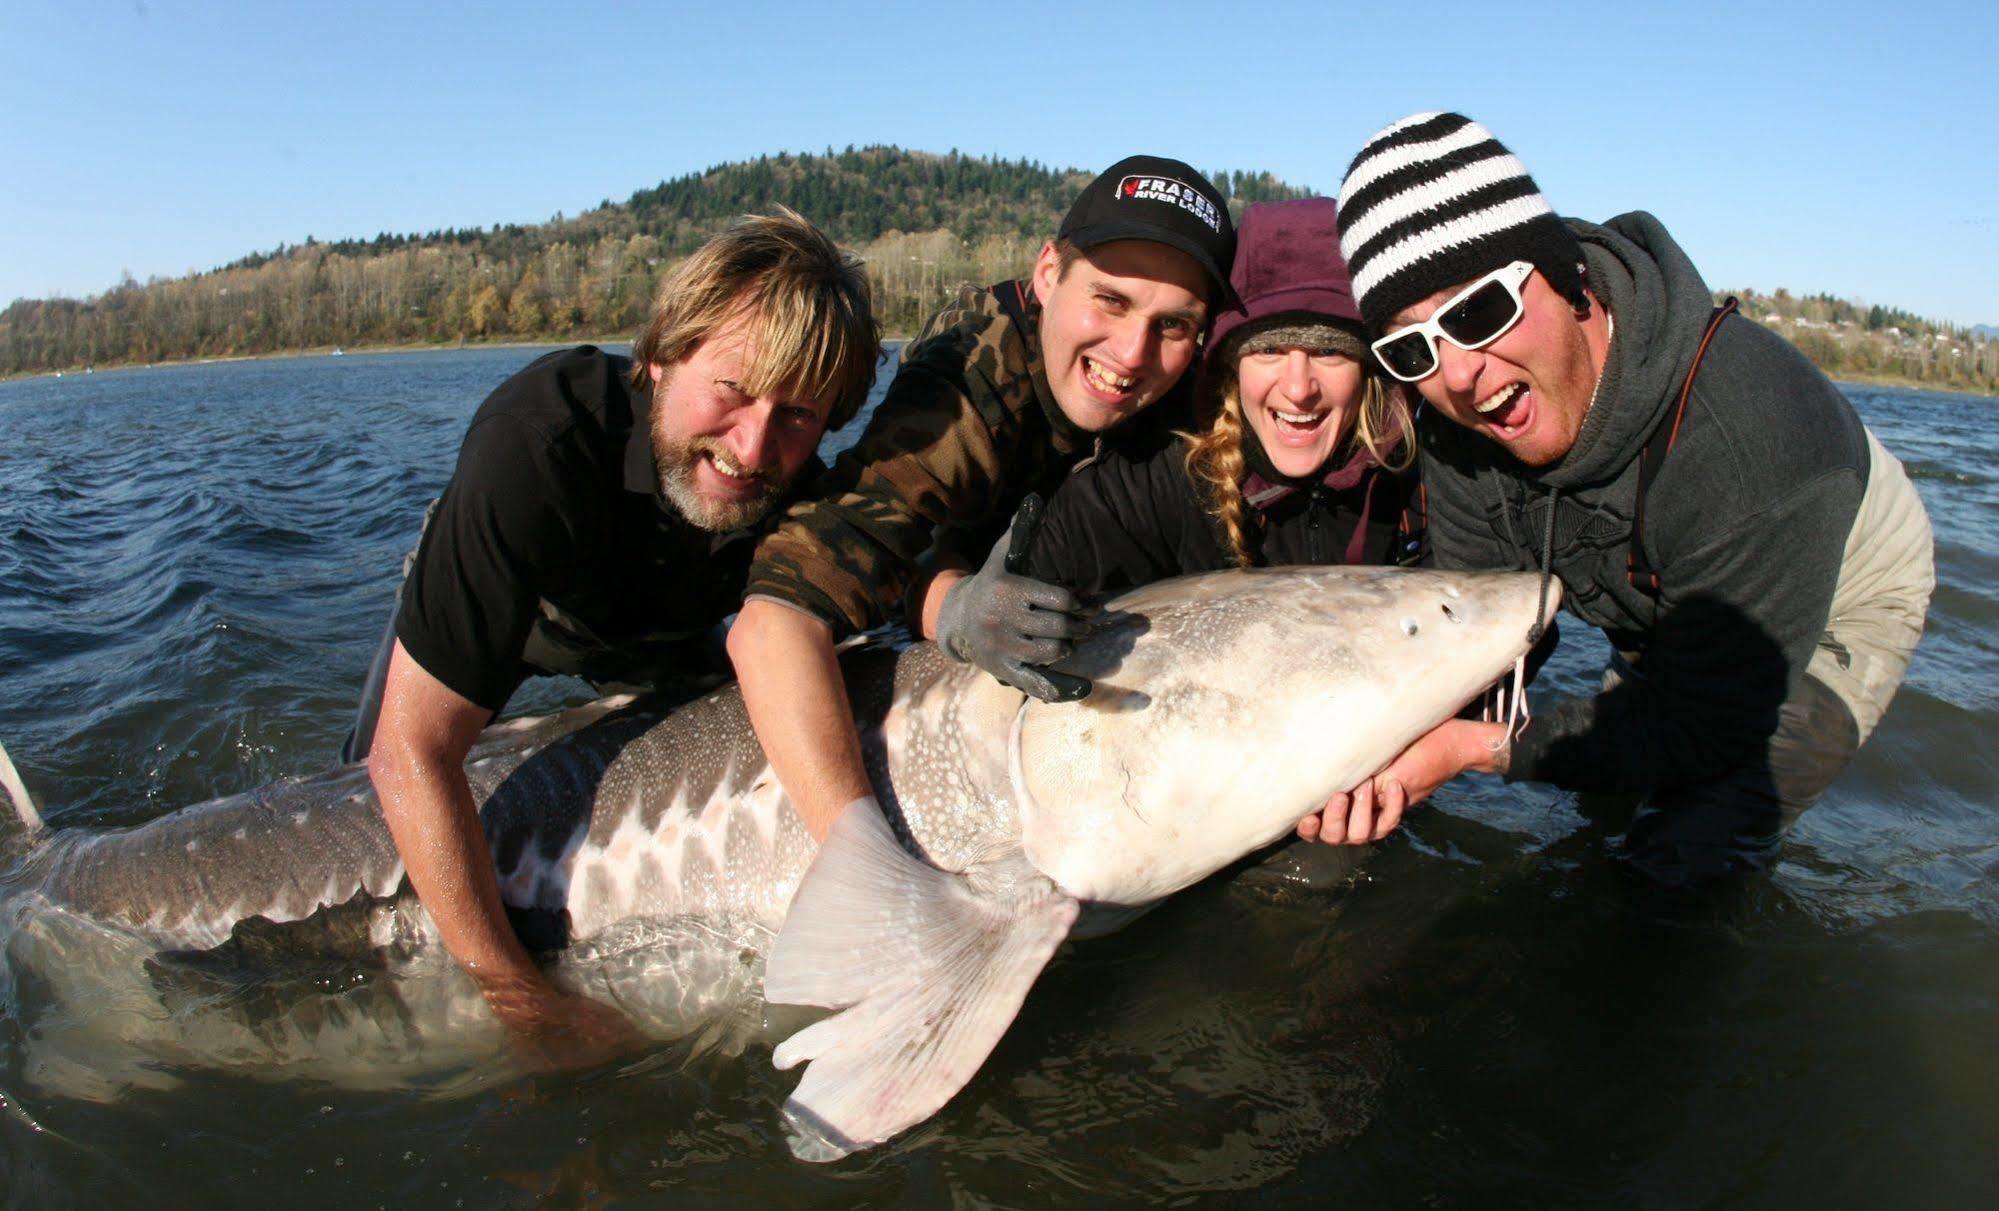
column 1302, row 447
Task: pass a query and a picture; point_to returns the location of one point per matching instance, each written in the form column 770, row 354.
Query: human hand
column 1373, row 809
column 1009, row 624
column 1359, row 816
column 556, row 1030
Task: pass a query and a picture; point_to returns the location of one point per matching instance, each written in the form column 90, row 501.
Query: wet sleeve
column 476, row 586
column 927, row 458
column 1742, row 610
column 1119, row 523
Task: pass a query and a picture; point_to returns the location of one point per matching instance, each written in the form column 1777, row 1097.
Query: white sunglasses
column 1471, row 319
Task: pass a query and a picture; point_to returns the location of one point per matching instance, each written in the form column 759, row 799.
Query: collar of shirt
column 641, row 464
column 1017, row 299
column 1265, row 489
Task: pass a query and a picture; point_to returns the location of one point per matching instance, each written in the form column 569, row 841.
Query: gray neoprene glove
column 1008, row 624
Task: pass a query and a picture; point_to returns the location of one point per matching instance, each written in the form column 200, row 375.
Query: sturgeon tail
column 927, row 970
column 27, row 819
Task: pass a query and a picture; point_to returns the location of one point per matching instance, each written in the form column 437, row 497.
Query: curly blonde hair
column 1215, row 459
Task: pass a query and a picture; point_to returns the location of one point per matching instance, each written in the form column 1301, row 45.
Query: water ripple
column 195, row 564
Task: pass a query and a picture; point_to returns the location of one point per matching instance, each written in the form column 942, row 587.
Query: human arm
column 1010, row 624
column 495, row 538
column 839, row 563
column 1739, row 617
column 1374, row 808
column 417, row 765
column 1125, row 519
column 1742, row 609
column 1122, row 520
column 797, row 702
column 930, row 600
column 959, row 436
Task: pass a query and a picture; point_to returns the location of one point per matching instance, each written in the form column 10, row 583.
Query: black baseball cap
column 1162, row 200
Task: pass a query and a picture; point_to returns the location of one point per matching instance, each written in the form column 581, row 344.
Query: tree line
column 924, row 223
column 1859, row 341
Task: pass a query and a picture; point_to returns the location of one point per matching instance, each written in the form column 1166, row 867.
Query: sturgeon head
column 1225, row 707
column 1229, row 705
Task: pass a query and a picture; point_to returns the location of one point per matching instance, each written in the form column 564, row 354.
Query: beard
column 674, row 463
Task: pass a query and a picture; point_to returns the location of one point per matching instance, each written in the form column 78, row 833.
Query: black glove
column 1008, row 624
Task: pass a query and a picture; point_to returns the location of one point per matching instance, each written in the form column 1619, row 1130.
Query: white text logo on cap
column 1173, row 193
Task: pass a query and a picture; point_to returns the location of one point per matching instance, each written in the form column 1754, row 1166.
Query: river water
column 195, row 563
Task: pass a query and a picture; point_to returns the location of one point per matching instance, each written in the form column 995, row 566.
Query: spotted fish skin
column 652, row 850
column 602, row 814
column 684, row 881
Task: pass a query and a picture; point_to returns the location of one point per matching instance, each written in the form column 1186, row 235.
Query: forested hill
column 857, row 196
column 924, row 222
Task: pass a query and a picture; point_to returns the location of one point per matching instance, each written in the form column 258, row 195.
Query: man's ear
column 1047, row 272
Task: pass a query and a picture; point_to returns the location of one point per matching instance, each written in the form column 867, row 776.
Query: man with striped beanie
column 1760, row 564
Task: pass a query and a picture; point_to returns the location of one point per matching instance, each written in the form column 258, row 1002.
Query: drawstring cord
column 1540, row 626
column 1508, row 700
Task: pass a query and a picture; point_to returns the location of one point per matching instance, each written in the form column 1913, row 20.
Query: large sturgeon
column 1225, row 706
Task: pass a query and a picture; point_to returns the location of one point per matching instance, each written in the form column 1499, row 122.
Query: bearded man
column 600, row 523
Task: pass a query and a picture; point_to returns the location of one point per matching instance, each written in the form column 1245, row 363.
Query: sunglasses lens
column 1480, row 316
column 1407, row 356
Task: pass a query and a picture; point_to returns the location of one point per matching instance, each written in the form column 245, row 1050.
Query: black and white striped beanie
column 1434, row 201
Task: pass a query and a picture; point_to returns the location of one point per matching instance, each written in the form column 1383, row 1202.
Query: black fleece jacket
column 1134, row 516
column 1746, row 521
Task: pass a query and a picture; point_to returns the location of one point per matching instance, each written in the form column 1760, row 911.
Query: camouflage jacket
column 966, row 430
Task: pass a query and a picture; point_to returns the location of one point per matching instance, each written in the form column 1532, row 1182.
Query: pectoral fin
column 928, row 967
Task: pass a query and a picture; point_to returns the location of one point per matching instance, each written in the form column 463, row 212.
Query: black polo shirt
column 552, row 551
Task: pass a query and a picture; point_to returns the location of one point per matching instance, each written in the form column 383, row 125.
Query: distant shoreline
column 344, row 350
column 328, row 351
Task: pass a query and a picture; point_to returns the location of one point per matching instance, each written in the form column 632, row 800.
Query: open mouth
column 734, row 473
column 1297, row 428
column 1508, row 409
column 1115, row 387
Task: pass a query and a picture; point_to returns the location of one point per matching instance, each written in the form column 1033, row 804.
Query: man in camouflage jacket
column 1000, row 396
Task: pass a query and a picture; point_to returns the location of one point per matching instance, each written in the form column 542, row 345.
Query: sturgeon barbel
column 1225, row 707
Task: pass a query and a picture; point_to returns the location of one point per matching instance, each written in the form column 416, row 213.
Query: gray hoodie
column 1747, row 523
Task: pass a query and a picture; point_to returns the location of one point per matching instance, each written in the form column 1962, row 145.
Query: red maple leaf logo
column 1130, row 187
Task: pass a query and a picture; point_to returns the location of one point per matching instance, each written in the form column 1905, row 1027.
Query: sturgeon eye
column 1409, row 626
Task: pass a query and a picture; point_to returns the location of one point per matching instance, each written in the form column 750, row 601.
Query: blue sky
column 1832, row 147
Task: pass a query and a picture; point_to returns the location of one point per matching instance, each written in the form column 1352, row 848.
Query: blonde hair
column 1215, row 459
column 815, row 332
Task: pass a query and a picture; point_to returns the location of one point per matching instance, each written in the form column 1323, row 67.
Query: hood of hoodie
column 1660, row 306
